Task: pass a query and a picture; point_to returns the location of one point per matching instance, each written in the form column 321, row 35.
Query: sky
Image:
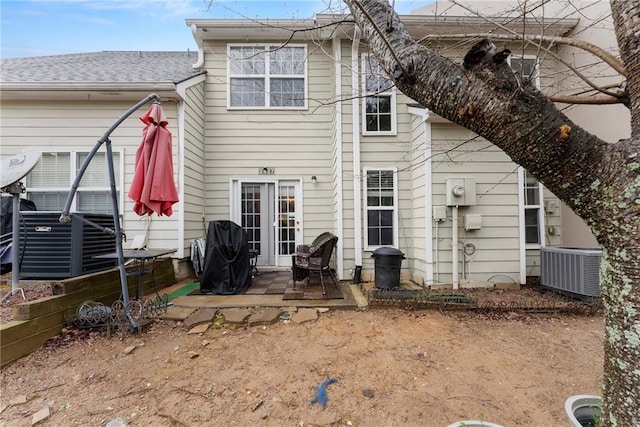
column 53, row 27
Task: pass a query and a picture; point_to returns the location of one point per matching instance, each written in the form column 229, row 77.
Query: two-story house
column 288, row 128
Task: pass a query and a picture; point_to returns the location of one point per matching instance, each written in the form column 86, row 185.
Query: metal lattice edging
column 416, row 297
column 420, row 299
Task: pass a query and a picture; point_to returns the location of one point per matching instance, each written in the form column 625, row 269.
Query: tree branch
column 586, row 100
column 608, row 58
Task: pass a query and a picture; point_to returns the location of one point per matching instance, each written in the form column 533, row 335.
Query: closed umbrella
column 153, row 188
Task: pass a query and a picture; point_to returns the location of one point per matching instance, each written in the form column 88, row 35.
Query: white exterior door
column 270, row 212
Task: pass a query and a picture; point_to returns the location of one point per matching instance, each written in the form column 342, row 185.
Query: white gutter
column 423, row 113
column 337, row 52
column 194, row 32
column 355, row 125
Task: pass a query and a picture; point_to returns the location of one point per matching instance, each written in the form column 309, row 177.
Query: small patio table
column 141, row 257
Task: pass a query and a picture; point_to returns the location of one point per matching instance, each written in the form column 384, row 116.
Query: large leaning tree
column 600, row 181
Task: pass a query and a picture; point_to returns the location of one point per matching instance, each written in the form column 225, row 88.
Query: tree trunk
column 599, row 181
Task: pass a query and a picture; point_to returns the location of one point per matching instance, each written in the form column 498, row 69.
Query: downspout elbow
column 200, row 63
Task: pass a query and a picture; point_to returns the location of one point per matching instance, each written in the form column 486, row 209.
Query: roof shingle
column 101, row 67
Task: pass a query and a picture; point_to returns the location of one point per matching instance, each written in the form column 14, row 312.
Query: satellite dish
column 17, row 167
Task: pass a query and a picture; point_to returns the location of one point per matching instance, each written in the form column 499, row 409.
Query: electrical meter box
column 460, row 191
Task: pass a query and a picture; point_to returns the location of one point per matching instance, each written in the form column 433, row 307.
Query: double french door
column 270, row 212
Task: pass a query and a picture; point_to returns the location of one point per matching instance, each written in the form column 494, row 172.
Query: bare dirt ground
column 394, row 366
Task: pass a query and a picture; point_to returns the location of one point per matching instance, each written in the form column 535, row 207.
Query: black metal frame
column 65, row 217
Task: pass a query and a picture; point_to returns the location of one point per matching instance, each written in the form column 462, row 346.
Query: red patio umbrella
column 153, row 188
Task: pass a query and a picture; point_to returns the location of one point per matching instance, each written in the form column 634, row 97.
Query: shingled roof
column 100, row 68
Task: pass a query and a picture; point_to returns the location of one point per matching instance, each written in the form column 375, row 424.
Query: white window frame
column 391, row 94
column 536, row 68
column 73, row 170
column 268, row 48
column 525, row 207
column 367, row 208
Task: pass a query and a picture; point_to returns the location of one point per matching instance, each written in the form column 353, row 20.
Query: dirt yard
column 394, row 367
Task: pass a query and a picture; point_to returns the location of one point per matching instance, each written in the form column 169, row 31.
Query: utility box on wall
column 460, row 191
column 472, row 222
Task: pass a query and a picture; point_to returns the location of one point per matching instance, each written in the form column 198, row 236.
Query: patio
column 272, row 289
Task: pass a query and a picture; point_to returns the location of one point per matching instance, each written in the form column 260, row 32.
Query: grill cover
column 226, row 261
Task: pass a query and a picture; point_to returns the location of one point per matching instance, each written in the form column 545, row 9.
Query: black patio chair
column 314, row 258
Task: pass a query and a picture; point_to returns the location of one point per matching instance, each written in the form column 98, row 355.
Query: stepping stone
column 41, row 415
column 236, row 316
column 203, row 315
column 178, row 313
column 199, row 329
column 305, row 315
column 265, row 317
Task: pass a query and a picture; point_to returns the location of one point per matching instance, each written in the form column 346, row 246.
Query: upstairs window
column 526, row 68
column 379, row 99
column 267, row 76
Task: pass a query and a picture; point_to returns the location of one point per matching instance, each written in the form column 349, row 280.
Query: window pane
column 246, row 60
column 371, row 104
column 373, row 218
column 247, row 92
column 532, row 226
column 94, row 201
column 386, row 236
column 97, row 173
column 532, row 190
column 384, row 123
column 376, row 80
column 49, row 201
column 372, row 237
column 53, row 170
column 287, row 92
column 524, row 66
column 384, row 104
column 287, row 60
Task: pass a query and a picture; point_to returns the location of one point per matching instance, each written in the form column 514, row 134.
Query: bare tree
column 598, row 180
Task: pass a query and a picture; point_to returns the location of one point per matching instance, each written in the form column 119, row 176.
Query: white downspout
column 355, row 103
column 200, row 63
column 521, row 228
column 337, row 52
column 430, row 258
column 428, row 200
column 454, row 245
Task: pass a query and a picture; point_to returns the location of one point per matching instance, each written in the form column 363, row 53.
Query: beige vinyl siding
column 347, row 159
column 393, row 151
column 456, row 153
column 194, row 205
column 418, row 252
column 295, row 143
column 73, row 125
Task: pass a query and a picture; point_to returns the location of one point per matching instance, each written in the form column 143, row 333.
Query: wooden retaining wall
column 35, row 322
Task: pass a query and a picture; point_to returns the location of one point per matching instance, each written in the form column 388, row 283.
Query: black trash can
column 388, row 262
